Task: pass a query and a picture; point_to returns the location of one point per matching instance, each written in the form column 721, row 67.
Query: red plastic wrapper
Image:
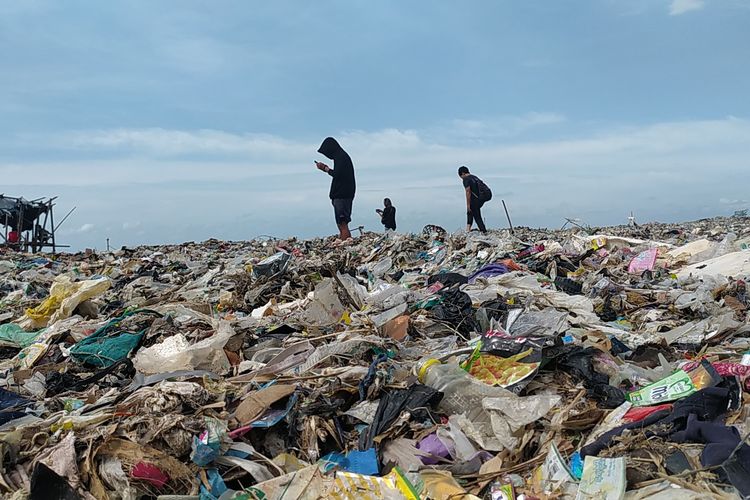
column 150, row 473
column 638, row 414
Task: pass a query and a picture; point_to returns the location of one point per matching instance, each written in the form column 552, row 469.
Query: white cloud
column 86, row 228
column 503, row 127
column 129, row 226
column 164, row 142
column 139, row 154
column 678, row 7
column 727, row 201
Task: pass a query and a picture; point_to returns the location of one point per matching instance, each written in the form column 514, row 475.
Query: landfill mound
column 581, row 364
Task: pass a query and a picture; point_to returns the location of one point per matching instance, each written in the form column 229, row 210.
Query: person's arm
column 325, row 168
column 468, row 198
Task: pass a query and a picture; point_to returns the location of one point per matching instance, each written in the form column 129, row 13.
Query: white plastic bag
column 175, row 353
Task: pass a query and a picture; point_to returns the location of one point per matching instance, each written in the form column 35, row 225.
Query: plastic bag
column 382, row 267
column 175, row 353
column 13, row 335
column 644, row 261
column 326, row 308
column 64, row 297
column 456, row 310
column 416, row 400
column 106, row 346
column 356, row 291
column 548, row 322
column 273, row 265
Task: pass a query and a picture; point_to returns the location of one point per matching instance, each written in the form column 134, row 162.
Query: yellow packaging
column 598, row 243
column 351, row 486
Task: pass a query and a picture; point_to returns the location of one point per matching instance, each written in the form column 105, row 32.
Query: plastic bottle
column 462, row 393
column 745, row 359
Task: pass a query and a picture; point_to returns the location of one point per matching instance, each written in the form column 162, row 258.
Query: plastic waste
column 107, row 345
column 64, row 297
column 727, row 245
column 462, row 393
column 326, row 307
column 416, row 400
column 512, row 372
column 554, row 476
column 603, row 479
column 677, row 386
column 176, row 353
column 500, row 491
column 359, row 462
column 644, row 261
column 459, row 446
column 273, row 265
column 393, row 486
column 548, row 322
column 382, row 267
column 13, row 335
column 207, row 447
column 440, row 485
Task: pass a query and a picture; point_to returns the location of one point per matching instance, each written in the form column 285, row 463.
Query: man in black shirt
column 476, row 196
column 388, row 215
column 343, row 185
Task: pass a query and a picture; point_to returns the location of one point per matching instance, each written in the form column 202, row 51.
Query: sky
column 182, row 120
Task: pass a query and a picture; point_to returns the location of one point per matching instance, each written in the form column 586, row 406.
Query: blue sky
column 183, row 120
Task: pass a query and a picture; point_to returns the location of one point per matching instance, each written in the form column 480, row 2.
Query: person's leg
column 343, row 212
column 344, row 233
column 470, row 218
column 476, row 210
column 336, row 212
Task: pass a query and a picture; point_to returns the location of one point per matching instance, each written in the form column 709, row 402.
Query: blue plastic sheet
column 358, row 462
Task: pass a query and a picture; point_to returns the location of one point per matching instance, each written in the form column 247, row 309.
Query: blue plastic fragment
column 358, row 462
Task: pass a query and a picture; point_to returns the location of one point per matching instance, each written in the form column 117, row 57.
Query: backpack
column 484, row 193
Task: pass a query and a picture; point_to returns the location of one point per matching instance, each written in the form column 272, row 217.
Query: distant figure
column 343, row 186
column 388, row 215
column 477, row 194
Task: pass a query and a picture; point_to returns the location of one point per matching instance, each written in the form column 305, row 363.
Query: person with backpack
column 477, row 194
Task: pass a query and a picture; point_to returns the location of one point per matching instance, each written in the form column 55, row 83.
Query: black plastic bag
column 496, row 309
column 456, row 310
column 416, row 399
column 578, row 361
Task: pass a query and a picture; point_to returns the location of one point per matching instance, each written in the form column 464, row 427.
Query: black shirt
column 389, row 217
column 343, row 185
column 470, row 181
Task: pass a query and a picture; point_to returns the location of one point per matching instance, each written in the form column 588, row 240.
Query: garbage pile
column 600, row 364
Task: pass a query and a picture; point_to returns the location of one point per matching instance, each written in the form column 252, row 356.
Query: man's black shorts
column 342, row 209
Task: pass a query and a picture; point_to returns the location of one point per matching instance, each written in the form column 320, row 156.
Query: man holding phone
column 343, row 185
